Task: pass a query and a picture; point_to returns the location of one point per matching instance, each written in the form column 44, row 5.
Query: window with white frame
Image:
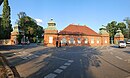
column 86, row 41
column 79, row 40
column 98, row 40
column 71, row 41
column 50, row 39
column 63, row 41
column 92, row 40
column 105, row 40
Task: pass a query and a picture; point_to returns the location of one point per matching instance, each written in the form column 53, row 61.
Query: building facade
column 14, row 34
column 74, row 35
column 118, row 36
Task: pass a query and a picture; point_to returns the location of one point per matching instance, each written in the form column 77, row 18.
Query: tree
column 6, row 22
column 113, row 26
column 127, row 19
column 29, row 26
column 122, row 27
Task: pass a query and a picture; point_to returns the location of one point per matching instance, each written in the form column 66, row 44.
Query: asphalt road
column 72, row 62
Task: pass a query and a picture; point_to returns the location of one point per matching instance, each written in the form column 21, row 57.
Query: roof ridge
column 79, row 28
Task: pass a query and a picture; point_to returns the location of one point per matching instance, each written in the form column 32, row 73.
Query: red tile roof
column 78, row 29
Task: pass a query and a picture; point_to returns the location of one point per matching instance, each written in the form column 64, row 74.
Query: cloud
column 39, row 21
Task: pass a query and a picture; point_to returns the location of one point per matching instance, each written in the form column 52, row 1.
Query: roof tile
column 78, row 29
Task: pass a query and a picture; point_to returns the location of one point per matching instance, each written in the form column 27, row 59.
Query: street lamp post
column 37, row 39
column 111, row 40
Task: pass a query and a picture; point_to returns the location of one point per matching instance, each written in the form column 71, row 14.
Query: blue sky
column 93, row 13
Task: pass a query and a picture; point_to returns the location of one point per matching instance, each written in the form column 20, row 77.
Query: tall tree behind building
column 112, row 28
column 127, row 19
column 29, row 26
column 6, row 22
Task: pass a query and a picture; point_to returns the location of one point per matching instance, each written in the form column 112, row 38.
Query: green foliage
column 30, row 27
column 102, row 29
column 113, row 26
column 6, row 22
column 19, row 37
column 127, row 19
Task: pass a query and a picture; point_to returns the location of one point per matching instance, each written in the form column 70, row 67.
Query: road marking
column 59, row 58
column 125, row 60
column 36, row 56
column 51, row 75
column 24, row 58
column 63, row 67
column 64, row 49
column 102, row 47
column 15, row 53
column 80, row 61
column 71, row 61
column 119, row 57
column 58, row 71
column 67, row 64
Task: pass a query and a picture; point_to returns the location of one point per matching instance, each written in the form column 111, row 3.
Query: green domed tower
column 104, row 37
column 118, row 36
column 50, row 34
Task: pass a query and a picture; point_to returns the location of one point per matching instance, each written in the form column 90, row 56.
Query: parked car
column 122, row 44
column 128, row 42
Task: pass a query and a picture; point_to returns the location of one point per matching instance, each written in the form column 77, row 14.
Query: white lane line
column 102, row 47
column 63, row 67
column 119, row 57
column 64, row 49
column 24, row 57
column 71, row 61
column 67, row 64
column 58, row 71
column 59, row 58
column 51, row 75
column 125, row 60
column 36, row 55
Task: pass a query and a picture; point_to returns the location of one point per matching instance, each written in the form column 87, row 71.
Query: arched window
column 72, row 40
column 63, row 41
column 105, row 40
column 79, row 40
column 50, row 39
column 86, row 41
column 98, row 40
column 92, row 40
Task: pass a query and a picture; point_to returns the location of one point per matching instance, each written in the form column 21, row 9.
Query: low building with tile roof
column 74, row 35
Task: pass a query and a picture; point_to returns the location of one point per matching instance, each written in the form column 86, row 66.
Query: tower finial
column 51, row 19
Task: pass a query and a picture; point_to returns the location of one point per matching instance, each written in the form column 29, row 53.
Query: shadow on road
column 58, row 57
column 127, row 52
column 15, row 47
column 79, row 67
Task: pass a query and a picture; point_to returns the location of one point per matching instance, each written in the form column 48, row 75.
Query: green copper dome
column 119, row 34
column 17, row 29
column 51, row 25
column 103, row 32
